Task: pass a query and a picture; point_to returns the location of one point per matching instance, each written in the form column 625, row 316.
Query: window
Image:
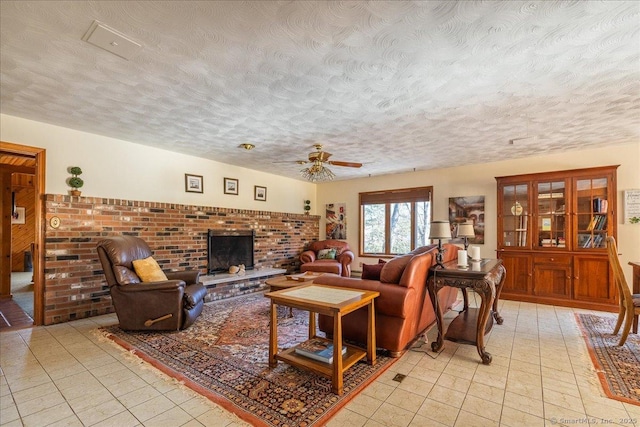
column 395, row 221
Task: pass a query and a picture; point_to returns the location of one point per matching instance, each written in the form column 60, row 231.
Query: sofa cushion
column 338, row 249
column 148, row 270
column 327, row 254
column 393, row 269
column 372, row 271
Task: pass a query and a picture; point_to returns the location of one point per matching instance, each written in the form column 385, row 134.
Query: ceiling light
column 317, row 172
column 247, row 146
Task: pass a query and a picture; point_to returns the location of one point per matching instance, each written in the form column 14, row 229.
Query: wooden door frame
column 38, row 256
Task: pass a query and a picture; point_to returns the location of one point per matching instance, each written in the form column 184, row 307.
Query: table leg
column 336, row 379
column 312, row 324
column 496, row 315
column 433, row 294
column 371, row 334
column 273, row 335
column 487, row 297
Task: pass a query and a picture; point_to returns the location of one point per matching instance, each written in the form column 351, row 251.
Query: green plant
column 75, row 181
column 307, row 205
column 634, row 219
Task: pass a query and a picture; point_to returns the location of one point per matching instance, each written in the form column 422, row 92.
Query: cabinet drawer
column 552, row 259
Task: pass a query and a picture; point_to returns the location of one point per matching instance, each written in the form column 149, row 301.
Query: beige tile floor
column 541, row 375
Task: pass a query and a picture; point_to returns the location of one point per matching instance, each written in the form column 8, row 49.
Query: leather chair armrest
column 346, row 257
column 152, row 286
column 188, row 276
column 307, row 256
column 193, row 294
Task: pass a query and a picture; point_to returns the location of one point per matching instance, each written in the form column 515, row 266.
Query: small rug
column 224, row 356
column 618, row 368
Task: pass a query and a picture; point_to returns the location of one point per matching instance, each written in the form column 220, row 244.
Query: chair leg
column 635, row 324
column 620, row 319
column 625, row 331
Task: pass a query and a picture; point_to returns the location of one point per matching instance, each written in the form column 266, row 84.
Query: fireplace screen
column 227, row 248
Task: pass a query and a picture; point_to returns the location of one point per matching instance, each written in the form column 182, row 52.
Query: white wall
column 120, row 169
column 477, row 180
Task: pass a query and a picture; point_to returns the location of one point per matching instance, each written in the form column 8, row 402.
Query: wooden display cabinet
column 551, row 236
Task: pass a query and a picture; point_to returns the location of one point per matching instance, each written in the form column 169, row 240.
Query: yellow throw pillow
column 148, row 270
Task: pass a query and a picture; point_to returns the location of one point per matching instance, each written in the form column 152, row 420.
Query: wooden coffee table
column 331, row 301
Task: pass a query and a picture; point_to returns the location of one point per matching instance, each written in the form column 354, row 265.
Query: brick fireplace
column 74, row 285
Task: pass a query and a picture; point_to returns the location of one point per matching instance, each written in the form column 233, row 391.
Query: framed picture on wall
column 193, row 183
column 231, row 186
column 260, row 193
column 19, row 216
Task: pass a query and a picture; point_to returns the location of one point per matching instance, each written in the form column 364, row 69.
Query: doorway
column 22, row 174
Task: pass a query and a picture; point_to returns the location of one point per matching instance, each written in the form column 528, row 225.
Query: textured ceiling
column 395, row 85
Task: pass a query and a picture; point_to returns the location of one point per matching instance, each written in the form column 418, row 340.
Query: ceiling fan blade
column 347, row 164
column 300, row 162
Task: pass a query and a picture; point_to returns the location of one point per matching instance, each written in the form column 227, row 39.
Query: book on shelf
column 600, row 205
column 318, row 349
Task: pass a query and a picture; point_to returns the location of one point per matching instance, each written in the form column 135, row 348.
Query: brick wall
column 74, row 284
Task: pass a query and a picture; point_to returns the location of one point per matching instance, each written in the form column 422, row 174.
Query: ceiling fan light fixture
column 317, row 172
column 247, row 146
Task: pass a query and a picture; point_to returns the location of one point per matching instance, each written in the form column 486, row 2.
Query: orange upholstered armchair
column 327, row 256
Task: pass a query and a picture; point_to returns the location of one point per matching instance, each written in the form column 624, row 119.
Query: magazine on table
column 318, row 349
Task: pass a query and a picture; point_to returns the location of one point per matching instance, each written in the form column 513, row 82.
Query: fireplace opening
column 227, row 248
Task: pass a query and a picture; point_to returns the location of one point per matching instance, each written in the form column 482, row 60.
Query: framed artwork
column 336, row 226
column 463, row 209
column 632, row 206
column 231, row 186
column 18, row 216
column 193, row 183
column 260, row 193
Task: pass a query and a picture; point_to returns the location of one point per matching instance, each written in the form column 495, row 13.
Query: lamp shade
column 440, row 230
column 466, row 230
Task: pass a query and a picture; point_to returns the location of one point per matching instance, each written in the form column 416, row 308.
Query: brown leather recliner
column 341, row 265
column 173, row 304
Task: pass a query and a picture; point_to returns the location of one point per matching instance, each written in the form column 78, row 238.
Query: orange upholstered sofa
column 403, row 309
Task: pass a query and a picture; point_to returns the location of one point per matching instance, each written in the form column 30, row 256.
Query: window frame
column 387, row 197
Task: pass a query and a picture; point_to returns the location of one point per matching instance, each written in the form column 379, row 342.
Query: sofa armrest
column 187, row 276
column 346, row 257
column 307, row 256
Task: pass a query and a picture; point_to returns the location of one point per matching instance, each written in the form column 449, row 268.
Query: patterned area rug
column 618, row 367
column 224, row 356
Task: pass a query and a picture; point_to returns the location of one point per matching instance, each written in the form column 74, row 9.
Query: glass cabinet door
column 551, row 215
column 515, row 215
column 592, row 212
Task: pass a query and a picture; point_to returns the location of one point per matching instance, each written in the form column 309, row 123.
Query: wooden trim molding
column 39, row 154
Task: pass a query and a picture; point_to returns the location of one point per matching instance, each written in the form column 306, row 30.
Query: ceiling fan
column 318, row 171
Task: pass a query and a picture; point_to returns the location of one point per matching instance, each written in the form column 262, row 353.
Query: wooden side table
column 331, row 301
column 486, row 277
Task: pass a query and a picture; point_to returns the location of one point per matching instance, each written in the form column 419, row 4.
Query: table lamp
column 440, row 230
column 466, row 231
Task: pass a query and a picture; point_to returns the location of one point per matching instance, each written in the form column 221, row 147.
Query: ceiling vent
column 111, row 40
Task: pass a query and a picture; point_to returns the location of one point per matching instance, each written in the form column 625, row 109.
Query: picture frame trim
column 262, row 197
column 193, row 183
column 20, row 218
column 231, row 186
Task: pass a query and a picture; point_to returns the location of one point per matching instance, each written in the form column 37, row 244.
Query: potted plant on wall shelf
column 75, row 181
column 307, row 206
